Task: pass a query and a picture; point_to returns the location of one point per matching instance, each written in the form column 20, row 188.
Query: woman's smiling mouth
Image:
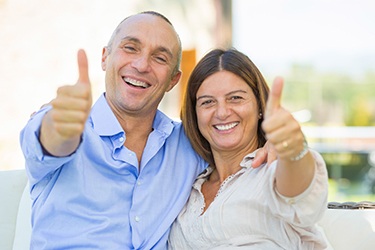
column 226, row 126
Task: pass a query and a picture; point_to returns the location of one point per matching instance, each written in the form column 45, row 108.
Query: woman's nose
column 223, row 110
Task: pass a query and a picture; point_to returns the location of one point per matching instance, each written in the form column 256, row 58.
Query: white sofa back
column 14, row 211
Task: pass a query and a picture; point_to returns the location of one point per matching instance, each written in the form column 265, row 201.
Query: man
column 114, row 176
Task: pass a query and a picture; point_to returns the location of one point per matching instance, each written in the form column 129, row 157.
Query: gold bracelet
column 302, row 153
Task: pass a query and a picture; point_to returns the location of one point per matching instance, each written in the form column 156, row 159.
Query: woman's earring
column 260, row 116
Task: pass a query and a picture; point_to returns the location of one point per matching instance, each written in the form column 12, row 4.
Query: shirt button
column 137, row 219
column 139, row 183
column 121, row 139
column 291, row 201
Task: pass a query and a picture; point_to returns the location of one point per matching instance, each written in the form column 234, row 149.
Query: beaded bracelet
column 302, row 153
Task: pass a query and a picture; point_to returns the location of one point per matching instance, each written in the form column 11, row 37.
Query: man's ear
column 175, row 79
column 105, row 53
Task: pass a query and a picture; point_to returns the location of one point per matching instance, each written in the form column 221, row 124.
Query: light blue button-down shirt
column 98, row 197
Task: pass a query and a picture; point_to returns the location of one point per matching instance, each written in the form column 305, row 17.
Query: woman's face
column 227, row 113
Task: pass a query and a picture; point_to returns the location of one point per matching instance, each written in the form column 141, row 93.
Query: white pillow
column 12, row 184
column 348, row 229
column 23, row 226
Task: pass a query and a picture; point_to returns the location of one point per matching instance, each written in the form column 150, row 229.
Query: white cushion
column 23, row 226
column 12, row 184
column 348, row 229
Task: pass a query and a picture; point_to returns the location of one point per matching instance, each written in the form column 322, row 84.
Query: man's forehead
column 145, row 24
column 147, row 27
column 143, row 18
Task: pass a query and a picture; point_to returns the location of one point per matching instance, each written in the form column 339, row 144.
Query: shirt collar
column 248, row 159
column 105, row 122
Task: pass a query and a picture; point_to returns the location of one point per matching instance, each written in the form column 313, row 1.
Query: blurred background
column 325, row 50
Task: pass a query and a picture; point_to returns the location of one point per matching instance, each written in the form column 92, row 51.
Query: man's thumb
column 83, row 69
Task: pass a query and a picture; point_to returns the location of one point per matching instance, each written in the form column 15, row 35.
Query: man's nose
column 141, row 63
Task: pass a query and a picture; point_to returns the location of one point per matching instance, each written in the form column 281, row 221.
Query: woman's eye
column 206, row 103
column 236, row 98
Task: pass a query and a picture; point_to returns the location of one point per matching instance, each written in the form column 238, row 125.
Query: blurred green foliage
column 352, row 166
column 347, row 172
column 332, row 97
column 339, row 99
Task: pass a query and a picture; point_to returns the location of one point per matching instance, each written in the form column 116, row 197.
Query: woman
column 232, row 205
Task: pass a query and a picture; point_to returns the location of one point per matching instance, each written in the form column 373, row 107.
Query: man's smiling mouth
column 135, row 83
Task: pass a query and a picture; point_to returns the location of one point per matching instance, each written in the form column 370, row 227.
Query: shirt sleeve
column 37, row 164
column 308, row 207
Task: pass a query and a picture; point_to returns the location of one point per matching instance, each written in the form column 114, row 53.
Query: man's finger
column 83, row 69
column 274, row 98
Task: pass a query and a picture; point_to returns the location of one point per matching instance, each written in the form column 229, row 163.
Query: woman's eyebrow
column 236, row 91
column 203, row 96
column 228, row 94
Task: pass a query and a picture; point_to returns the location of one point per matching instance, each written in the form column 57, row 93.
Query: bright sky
column 331, row 34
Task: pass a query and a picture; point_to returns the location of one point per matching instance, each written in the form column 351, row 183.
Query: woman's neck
column 228, row 163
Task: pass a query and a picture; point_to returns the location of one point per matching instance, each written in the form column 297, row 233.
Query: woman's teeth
column 226, row 127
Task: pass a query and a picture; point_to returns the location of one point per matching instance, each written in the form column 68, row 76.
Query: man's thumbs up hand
column 72, row 104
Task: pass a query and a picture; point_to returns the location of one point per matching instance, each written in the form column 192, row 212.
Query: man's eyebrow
column 130, row 38
column 165, row 50
column 159, row 49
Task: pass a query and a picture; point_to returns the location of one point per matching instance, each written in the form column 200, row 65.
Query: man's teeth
column 226, row 127
column 136, row 83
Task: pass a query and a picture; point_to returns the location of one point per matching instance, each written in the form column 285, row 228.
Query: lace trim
column 224, row 184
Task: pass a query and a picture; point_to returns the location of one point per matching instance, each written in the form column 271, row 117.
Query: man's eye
column 129, row 48
column 160, row 59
